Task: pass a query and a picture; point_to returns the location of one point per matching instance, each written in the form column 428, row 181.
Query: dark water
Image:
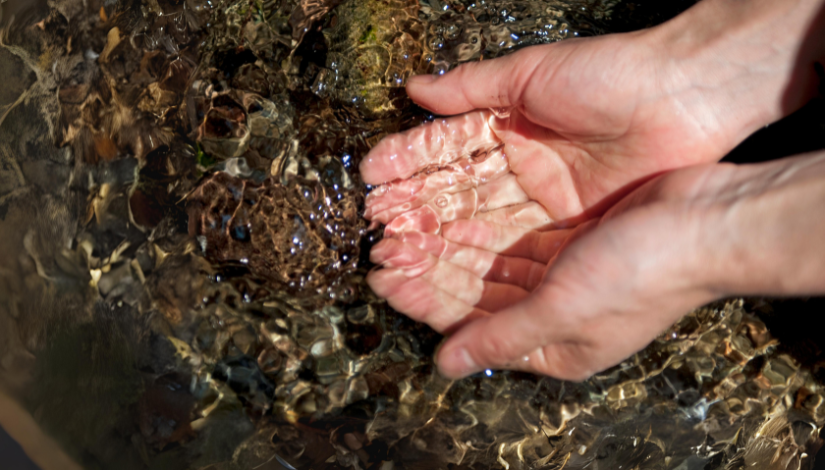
column 13, row 456
column 182, row 257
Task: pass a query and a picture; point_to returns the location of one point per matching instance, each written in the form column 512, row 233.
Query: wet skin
column 497, row 223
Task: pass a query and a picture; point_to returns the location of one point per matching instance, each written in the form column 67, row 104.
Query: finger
column 501, row 341
column 563, row 361
column 447, row 207
column 434, row 144
column 415, row 263
column 421, row 301
column 489, row 266
column 430, row 217
column 498, row 83
column 460, row 283
column 424, row 220
column 391, row 200
column 506, row 240
column 498, row 296
column 528, row 215
column 387, row 202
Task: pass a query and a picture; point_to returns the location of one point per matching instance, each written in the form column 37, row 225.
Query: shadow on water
column 12, row 455
column 22, row 12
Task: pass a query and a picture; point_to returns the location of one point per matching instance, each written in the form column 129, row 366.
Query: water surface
column 183, row 255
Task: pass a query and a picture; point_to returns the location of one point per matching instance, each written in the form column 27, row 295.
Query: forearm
column 768, row 235
column 738, row 65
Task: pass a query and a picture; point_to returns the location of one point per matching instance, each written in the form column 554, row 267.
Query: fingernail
column 422, row 79
column 457, row 364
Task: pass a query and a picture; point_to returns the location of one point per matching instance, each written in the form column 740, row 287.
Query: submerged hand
column 569, row 302
column 684, row 239
column 588, row 120
column 478, row 206
column 603, row 290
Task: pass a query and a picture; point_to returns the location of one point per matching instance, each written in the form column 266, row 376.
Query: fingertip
column 421, row 80
column 497, row 83
column 369, row 171
column 455, row 362
column 384, row 282
column 381, row 251
column 423, row 219
column 438, row 93
column 459, row 356
column 419, row 88
column 376, row 167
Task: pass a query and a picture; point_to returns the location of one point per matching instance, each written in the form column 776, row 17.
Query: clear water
column 183, row 254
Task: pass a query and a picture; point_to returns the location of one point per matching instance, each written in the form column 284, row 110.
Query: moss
column 369, row 36
column 204, row 159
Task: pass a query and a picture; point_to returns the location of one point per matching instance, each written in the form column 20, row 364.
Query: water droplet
column 452, row 32
column 441, row 201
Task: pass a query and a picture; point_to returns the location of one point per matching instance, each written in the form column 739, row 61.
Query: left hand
column 566, row 303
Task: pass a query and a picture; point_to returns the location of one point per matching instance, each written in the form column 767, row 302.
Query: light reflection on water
column 183, row 254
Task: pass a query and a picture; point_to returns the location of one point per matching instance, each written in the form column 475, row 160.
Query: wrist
column 765, row 231
column 737, row 66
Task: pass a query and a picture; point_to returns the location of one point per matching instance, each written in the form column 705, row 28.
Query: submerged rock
column 374, row 47
column 301, row 236
column 182, row 283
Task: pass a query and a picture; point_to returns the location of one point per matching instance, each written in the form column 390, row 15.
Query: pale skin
column 596, row 214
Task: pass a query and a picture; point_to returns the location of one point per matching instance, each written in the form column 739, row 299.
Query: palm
column 477, row 205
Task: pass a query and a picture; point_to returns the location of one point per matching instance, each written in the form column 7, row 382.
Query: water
column 450, row 185
column 181, row 273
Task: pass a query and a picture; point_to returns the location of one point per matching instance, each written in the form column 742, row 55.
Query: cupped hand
column 565, row 303
column 586, row 122
column 477, row 205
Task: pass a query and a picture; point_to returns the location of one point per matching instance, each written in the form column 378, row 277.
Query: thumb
column 524, row 330
column 497, row 83
column 501, row 341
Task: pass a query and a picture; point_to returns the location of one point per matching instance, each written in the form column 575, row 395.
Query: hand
column 479, row 205
column 588, row 121
column 612, row 284
column 496, row 185
column 597, row 293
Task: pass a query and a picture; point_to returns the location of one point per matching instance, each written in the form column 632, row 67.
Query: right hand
column 593, row 118
column 589, row 120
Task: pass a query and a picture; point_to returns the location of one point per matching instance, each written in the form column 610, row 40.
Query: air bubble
column 452, row 32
